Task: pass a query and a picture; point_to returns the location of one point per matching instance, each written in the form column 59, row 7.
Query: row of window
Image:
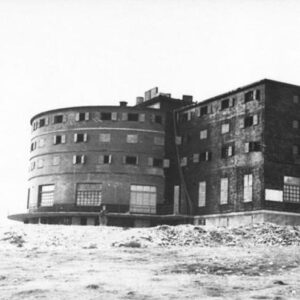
column 226, row 151
column 104, row 159
column 291, row 192
column 143, row 198
column 104, row 116
column 224, row 104
column 83, row 138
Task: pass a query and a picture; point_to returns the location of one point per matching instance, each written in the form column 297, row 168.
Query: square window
column 58, row 119
column 203, row 134
column 132, row 138
column 224, row 104
column 203, row 111
column 106, row 116
column 133, row 117
column 105, row 137
column 131, row 160
column 158, row 119
column 225, row 128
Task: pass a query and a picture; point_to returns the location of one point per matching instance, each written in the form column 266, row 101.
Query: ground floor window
column 46, row 195
column 143, row 199
column 291, row 189
column 89, row 194
column 248, row 186
column 202, row 194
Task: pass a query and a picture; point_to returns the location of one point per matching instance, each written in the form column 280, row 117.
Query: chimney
column 139, row 100
column 123, row 103
column 187, row 98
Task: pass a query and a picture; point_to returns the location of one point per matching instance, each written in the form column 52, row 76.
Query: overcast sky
column 67, row 53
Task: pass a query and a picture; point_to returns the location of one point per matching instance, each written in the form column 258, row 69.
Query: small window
column 157, row 163
column 225, row 128
column 224, row 191
column 42, row 122
column 296, row 99
column 205, row 156
column 41, row 143
column 203, row 110
column 40, row 163
column 252, row 95
column 250, row 121
column 80, row 137
column 203, row 134
column 104, row 137
column 106, row 116
column 132, row 138
column 178, row 140
column 252, row 147
column 131, row 160
column 33, row 146
column 183, row 162
column 202, row 194
column 160, row 141
column 183, row 117
column 82, row 116
column 296, row 124
column 133, row 117
column 78, row 159
column 296, row 150
column 56, row 161
column 59, row 139
column 227, row 151
column 196, row 157
column 158, row 119
column 224, row 104
column 58, row 119
column 104, row 159
column 248, row 185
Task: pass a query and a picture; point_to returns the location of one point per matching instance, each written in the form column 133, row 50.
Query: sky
column 64, row 53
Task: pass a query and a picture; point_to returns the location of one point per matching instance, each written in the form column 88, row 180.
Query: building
column 228, row 160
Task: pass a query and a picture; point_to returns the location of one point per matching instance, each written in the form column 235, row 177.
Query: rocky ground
column 164, row 262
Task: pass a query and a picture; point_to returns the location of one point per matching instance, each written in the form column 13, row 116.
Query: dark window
column 254, row 146
column 42, row 123
column 158, row 119
column 131, row 160
column 133, row 117
column 203, row 110
column 184, row 117
column 81, row 116
column 106, row 159
column 227, row 151
column 106, row 116
column 58, row 119
column 224, row 104
column 251, row 120
column 157, row 162
column 205, row 156
column 80, row 137
column 249, row 96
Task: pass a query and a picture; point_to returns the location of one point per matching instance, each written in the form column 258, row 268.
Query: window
column 224, row 191
column 248, row 184
column 106, row 116
column 227, row 151
column 131, row 160
column 252, row 147
column 224, row 104
column 296, row 150
column 157, row 163
column 296, row 124
column 143, row 199
column 58, row 119
column 56, row 161
column 252, row 95
column 82, row 116
column 178, row 140
column 132, row 138
column 41, row 143
column 225, row 128
column 89, row 194
column 133, row 117
column 158, row 119
column 205, row 156
column 203, row 134
column 46, row 195
column 160, row 141
column 33, row 146
column 80, row 137
column 296, row 99
column 104, row 159
column 195, row 157
column 40, row 163
column 291, row 189
column 203, row 110
column 78, row 159
column 183, row 117
column 104, row 137
column 32, row 165
column 183, row 162
column 202, row 194
column 59, row 139
column 43, row 122
column 250, row 120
